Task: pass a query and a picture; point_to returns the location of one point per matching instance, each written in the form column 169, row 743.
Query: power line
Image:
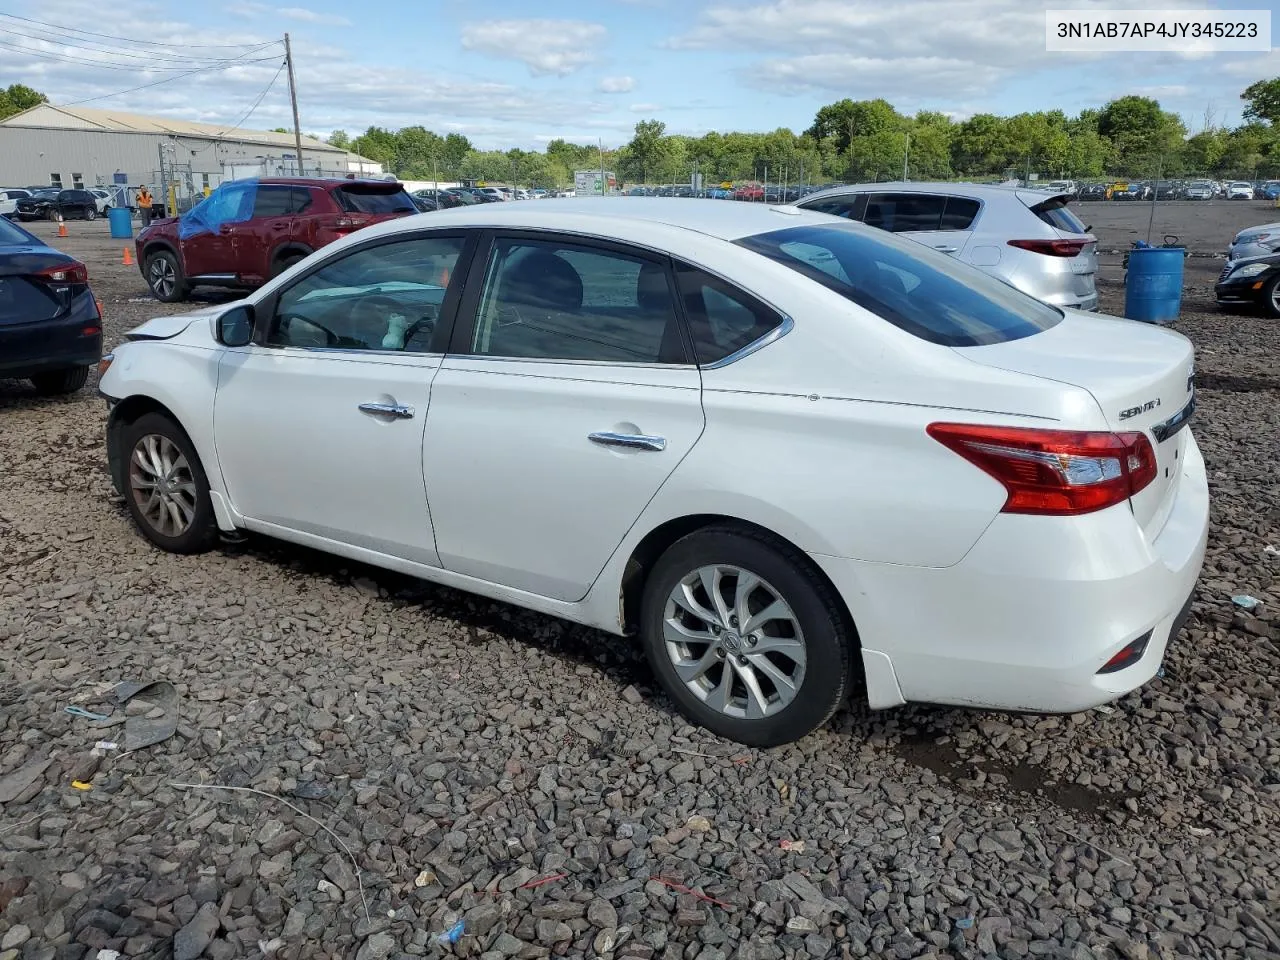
column 129, row 67
column 75, row 43
column 156, row 83
column 131, row 40
column 243, row 120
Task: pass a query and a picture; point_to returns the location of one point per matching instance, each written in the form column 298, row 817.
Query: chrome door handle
column 631, row 441
column 398, row 410
column 945, row 249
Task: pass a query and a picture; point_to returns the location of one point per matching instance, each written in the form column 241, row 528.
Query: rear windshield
column 374, row 200
column 1055, row 213
column 927, row 294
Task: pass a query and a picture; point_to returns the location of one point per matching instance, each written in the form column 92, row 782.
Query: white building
column 75, row 146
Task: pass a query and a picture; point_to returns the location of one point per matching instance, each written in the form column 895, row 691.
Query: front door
column 205, row 231
column 567, row 399
column 318, row 424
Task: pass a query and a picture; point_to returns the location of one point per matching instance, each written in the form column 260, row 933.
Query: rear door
column 256, row 240
column 567, row 399
column 924, row 218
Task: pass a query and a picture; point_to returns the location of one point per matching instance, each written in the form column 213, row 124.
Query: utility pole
column 1154, row 197
column 293, row 99
column 604, row 184
column 906, row 150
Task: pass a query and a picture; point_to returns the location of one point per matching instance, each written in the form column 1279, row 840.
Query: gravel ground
column 486, row 765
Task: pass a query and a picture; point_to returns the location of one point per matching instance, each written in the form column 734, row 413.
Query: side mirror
column 234, row 328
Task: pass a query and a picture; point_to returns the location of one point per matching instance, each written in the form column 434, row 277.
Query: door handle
column 398, row 410
column 943, row 248
column 630, row 441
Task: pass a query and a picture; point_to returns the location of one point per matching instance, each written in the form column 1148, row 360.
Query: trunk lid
column 1139, row 374
column 25, row 296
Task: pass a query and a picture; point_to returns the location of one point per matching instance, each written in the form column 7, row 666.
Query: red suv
column 247, row 231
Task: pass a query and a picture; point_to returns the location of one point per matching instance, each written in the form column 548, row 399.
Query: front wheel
column 91, row 213
column 165, row 277
column 165, row 486
column 1270, row 297
column 60, row 381
column 745, row 638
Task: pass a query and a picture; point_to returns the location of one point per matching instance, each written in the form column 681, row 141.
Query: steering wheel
column 331, row 339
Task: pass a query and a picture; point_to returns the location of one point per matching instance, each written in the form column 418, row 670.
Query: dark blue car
column 50, row 324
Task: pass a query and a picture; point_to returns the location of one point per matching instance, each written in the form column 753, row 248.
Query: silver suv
column 1026, row 238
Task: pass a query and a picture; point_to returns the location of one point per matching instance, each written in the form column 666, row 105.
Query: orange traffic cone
column 127, row 259
column 62, row 228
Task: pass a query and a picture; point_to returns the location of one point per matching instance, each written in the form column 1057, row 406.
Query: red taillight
column 348, row 224
column 74, row 272
column 1054, row 472
column 1052, row 248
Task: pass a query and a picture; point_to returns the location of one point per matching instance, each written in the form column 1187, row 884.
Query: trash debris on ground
column 81, row 785
column 425, row 879
column 540, row 881
column 964, row 923
column 146, row 730
column 109, row 955
column 698, row 824
column 86, row 714
column 13, row 785
column 681, row 888
column 1272, row 549
column 795, row 846
column 104, row 746
column 453, row 934
column 1246, row 602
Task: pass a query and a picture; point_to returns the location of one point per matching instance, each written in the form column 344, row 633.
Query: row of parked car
column 50, row 203
column 1164, row 190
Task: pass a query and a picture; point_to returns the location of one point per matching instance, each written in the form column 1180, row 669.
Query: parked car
column 1254, row 282
column 9, row 197
column 1062, row 188
column 1027, row 238
column 52, row 203
column 1095, row 191
column 424, row 204
column 1131, row 190
column 50, row 323
column 1239, row 190
column 974, row 462
column 1167, row 190
column 1270, row 190
column 1253, row 242
column 103, row 199
column 494, row 193
column 248, row 231
column 1201, row 190
column 753, row 192
column 442, row 199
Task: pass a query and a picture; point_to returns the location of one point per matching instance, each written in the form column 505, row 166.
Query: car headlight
column 1249, row 270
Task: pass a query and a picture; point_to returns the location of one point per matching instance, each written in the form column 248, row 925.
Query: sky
column 510, row 74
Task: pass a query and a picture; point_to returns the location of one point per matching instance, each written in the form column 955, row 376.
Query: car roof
column 714, row 218
column 326, row 181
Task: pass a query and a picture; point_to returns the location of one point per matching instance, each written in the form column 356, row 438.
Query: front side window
column 926, row 293
column 386, row 297
column 722, row 318
column 546, row 300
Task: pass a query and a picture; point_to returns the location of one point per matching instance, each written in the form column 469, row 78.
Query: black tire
column 828, row 641
column 51, row 214
column 202, row 531
column 162, row 290
column 60, row 381
column 91, row 213
column 1268, row 296
column 285, row 261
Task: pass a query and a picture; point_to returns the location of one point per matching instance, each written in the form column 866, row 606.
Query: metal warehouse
column 78, row 147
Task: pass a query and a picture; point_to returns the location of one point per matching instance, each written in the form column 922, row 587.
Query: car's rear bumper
column 58, row 344
column 1034, row 610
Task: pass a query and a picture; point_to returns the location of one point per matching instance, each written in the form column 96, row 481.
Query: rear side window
column 902, row 212
column 927, row 294
column 366, row 200
column 11, row 234
column 1055, row 213
column 959, row 213
column 722, row 318
column 273, row 201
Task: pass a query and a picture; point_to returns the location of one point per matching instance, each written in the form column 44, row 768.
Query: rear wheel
column 1271, row 297
column 744, row 638
column 165, row 486
column 285, row 261
column 165, row 277
column 60, row 381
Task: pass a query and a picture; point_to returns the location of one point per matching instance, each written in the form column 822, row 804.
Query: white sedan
column 794, row 455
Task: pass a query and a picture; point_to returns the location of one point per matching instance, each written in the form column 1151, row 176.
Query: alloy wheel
column 734, row 642
column 162, row 485
column 162, row 276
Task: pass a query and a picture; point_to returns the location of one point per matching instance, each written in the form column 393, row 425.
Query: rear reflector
column 1054, row 472
column 1128, row 656
column 1052, row 248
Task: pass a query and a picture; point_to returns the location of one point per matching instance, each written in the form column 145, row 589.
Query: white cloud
column 547, row 47
column 616, row 84
column 304, row 15
column 868, row 77
column 645, row 107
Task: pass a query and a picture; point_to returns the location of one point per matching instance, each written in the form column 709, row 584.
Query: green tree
column 378, row 145
column 18, row 97
column 648, row 149
column 456, row 149
column 1140, row 132
column 1262, row 101
column 340, row 139
column 1203, row 152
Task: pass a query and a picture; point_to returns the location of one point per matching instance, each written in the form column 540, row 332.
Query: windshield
column 354, row 200
column 927, row 294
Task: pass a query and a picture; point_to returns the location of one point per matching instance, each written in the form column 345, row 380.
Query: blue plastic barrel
column 121, row 223
column 1153, row 287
